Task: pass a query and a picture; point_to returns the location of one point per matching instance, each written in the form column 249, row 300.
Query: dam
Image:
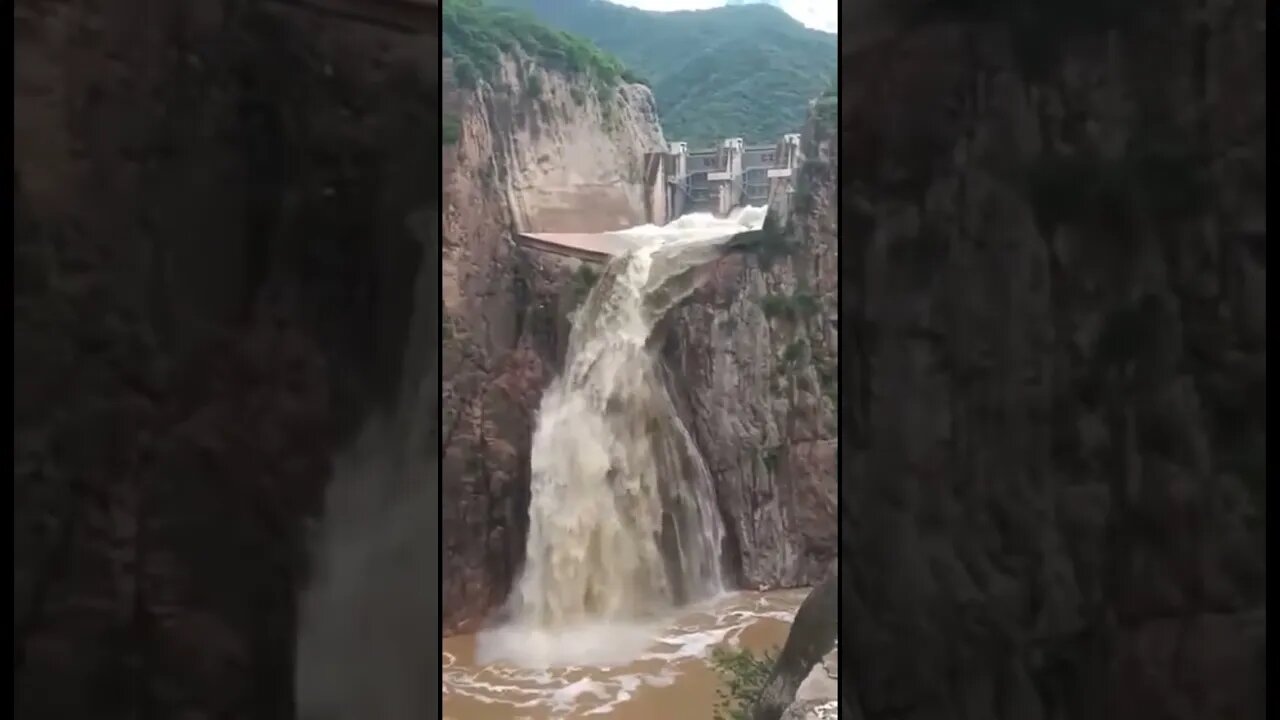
column 716, row 180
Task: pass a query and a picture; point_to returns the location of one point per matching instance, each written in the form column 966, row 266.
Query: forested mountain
column 744, row 71
column 476, row 33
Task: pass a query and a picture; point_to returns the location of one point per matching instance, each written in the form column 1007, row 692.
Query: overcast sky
column 819, row 14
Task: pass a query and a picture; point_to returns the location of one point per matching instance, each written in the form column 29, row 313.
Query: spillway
column 623, row 522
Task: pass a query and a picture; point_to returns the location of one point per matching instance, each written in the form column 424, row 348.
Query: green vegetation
column 801, row 197
column 746, row 71
column 827, row 109
column 769, row 456
column 774, row 306
column 792, row 307
column 773, row 243
column 584, row 278
column 745, row 675
column 533, row 85
column 828, row 372
column 450, row 129
column 794, row 352
column 806, row 304
column 476, row 35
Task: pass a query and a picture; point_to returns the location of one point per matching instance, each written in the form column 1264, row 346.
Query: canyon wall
column 547, row 154
column 752, row 357
column 1054, row 266
column 214, row 274
column 754, row 361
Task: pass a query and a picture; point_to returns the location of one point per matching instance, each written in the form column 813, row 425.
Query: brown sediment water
column 620, row 600
column 671, row 680
column 623, row 521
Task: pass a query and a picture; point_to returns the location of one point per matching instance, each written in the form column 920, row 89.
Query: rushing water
column 669, row 680
column 623, row 525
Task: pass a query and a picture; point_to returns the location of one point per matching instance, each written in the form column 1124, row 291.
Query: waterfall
column 623, row 525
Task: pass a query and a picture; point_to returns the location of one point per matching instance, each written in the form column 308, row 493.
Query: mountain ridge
column 806, row 12
column 733, row 71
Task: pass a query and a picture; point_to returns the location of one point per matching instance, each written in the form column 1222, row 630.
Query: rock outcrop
column 817, row 698
column 1054, row 268
column 754, row 354
column 811, row 639
column 214, row 275
column 565, row 158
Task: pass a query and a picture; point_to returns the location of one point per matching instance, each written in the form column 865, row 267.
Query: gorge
column 730, row 398
column 550, row 162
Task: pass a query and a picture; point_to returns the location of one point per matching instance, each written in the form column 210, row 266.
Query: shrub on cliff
column 744, row 675
column 584, row 278
column 826, row 109
column 799, row 305
column 450, row 129
column 533, row 85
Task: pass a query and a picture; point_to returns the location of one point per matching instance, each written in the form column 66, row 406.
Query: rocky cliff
column 214, row 273
column 754, row 359
column 1054, row 257
column 752, row 356
column 533, row 150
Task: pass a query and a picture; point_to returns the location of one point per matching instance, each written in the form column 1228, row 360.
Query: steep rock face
column 213, row 280
column 754, row 355
column 812, row 637
column 1055, row 291
column 562, row 160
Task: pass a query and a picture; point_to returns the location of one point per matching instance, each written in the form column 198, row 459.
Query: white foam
column 697, row 225
column 540, row 672
column 585, row 645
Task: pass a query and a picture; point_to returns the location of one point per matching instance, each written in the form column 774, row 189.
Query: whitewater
column 623, row 526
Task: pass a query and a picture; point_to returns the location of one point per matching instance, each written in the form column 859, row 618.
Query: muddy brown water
column 672, row 680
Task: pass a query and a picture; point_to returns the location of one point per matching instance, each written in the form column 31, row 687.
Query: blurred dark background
column 214, row 275
column 1053, row 258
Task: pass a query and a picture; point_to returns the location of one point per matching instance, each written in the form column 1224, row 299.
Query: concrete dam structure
column 680, row 181
column 728, row 176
